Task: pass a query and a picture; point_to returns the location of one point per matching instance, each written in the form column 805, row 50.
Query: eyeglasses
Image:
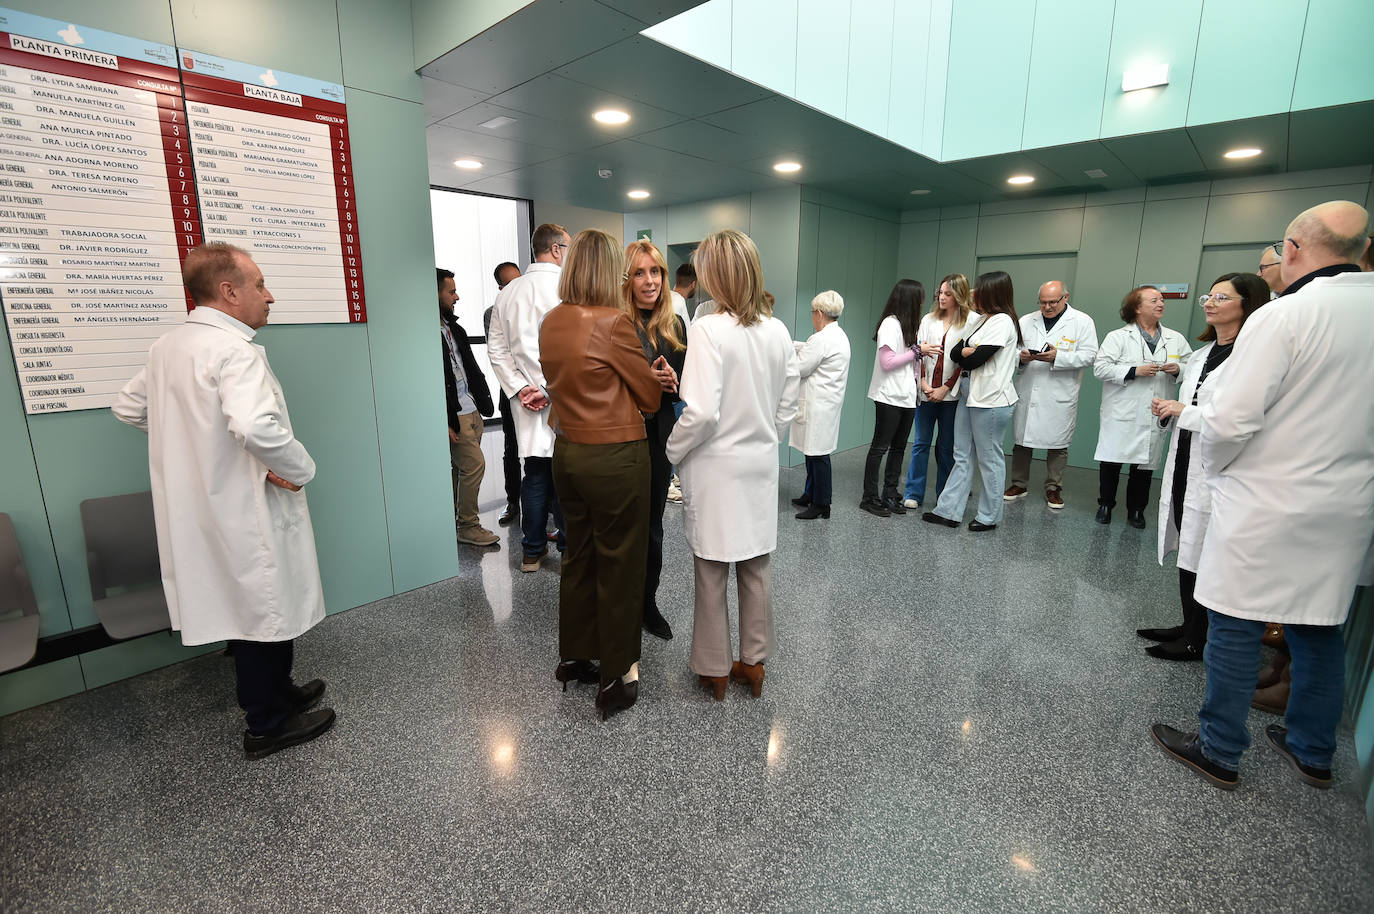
column 1046, row 304
column 1219, row 298
column 1265, row 266
column 558, row 244
column 1277, row 247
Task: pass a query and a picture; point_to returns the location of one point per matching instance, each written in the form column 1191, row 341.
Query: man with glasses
column 1271, row 259
column 513, row 348
column 1289, row 458
column 1059, row 343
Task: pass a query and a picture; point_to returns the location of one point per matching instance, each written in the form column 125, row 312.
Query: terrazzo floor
column 952, row 722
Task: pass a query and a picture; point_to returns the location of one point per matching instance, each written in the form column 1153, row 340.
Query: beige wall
column 577, row 218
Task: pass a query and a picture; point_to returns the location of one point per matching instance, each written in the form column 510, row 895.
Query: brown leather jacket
column 596, row 375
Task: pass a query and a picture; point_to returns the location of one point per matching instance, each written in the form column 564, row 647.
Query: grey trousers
column 711, row 654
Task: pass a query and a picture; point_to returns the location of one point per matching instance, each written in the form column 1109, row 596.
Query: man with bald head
column 1289, row 459
column 1059, row 343
column 1269, row 270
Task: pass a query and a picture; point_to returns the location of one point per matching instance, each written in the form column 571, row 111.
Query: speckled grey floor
column 953, row 722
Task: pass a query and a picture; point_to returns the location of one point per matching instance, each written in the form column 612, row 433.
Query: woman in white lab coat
column 1136, row 364
column 740, row 385
column 824, row 366
column 894, row 393
column 1185, row 504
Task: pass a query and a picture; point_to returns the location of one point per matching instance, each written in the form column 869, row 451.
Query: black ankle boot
column 814, row 512
column 1136, row 519
column 802, row 501
column 1104, row 514
column 583, row 671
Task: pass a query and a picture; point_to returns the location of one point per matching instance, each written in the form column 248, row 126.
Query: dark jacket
column 477, row 382
column 659, row 425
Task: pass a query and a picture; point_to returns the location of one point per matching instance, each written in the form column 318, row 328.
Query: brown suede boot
column 751, row 673
column 715, row 685
column 1273, row 635
column 1274, row 699
column 1274, row 671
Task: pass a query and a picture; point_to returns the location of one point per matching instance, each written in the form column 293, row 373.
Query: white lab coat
column 1129, row 432
column 823, row 361
column 1047, row 408
column 513, row 349
column 703, row 309
column 680, row 307
column 1197, row 503
column 1288, row 451
column 237, row 553
column 726, row 446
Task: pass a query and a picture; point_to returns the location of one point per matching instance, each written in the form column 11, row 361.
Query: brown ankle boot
column 751, row 673
column 715, row 685
column 1275, row 698
column 1274, row 671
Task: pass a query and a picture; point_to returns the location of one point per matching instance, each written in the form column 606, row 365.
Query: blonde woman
column 598, row 384
column 940, row 385
column 647, row 301
column 726, row 449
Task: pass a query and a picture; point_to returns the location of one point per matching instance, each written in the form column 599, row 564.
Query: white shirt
column 680, row 307
column 994, row 382
column 896, row 387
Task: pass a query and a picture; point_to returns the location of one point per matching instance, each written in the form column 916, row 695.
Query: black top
column 1333, row 270
column 1051, row 321
column 1183, row 455
column 660, row 425
column 477, row 382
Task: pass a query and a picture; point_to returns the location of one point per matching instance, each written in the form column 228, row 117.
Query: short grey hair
column 828, row 303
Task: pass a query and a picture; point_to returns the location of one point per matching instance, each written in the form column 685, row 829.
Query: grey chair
column 121, row 552
column 18, row 634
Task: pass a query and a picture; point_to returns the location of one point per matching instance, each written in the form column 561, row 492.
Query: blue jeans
column 978, row 433
column 818, row 478
column 929, row 415
column 1314, row 704
column 537, row 501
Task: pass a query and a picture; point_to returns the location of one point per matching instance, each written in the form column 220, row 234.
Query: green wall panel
column 439, row 26
column 1031, row 233
column 372, row 41
column 910, row 74
column 692, row 222
column 139, row 655
column 137, row 18
column 870, row 65
column 1164, row 31
column 823, row 54
column 1228, row 86
column 957, row 250
column 765, row 32
column 985, row 104
column 1336, row 65
column 937, row 76
column 1068, row 61
column 40, row 685
column 916, row 248
column 1262, row 217
column 774, row 224
column 298, row 37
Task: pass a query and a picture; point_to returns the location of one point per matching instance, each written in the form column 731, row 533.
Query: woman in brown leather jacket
column 599, row 384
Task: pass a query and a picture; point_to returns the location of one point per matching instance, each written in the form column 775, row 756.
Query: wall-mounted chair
column 18, row 634
column 121, row 552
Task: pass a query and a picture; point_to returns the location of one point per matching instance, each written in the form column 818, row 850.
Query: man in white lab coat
column 513, row 348
column 1059, row 343
column 233, row 530
column 1289, row 458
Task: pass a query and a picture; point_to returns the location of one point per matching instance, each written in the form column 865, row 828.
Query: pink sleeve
column 891, row 360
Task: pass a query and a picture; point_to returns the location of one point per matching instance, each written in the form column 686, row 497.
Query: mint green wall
column 439, row 26
column 984, row 77
column 1359, row 667
column 367, row 408
column 1121, row 238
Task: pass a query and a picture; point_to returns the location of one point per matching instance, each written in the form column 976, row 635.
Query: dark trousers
column 604, row 489
column 538, row 499
column 891, row 428
column 510, row 452
column 1194, row 613
column 660, row 474
column 264, row 682
column 818, row 480
column 1137, row 486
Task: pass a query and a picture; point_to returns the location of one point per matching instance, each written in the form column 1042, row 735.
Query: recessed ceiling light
column 638, row 195
column 1020, row 179
column 1247, row 153
column 497, row 122
column 467, row 163
column 787, row 167
column 1095, row 173
column 1144, row 76
column 920, row 191
column 611, row 116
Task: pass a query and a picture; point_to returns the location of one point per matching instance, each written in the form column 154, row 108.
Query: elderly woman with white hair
column 824, row 363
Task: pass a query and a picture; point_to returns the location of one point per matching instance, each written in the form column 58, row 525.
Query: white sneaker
column 911, row 503
column 674, row 493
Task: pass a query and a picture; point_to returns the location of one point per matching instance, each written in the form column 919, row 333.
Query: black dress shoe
column 1104, row 514
column 305, row 697
column 656, row 625
column 1136, row 519
column 1161, row 634
column 1317, row 777
column 814, row 512
column 894, row 505
column 583, row 671
column 1186, row 748
column 801, row 501
column 1179, row 649
column 615, row 697
column 931, row 517
column 296, row 729
column 876, row 508
column 511, row 515
column 979, row 526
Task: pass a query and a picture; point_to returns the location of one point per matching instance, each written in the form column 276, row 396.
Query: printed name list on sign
column 274, row 175
column 97, row 206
